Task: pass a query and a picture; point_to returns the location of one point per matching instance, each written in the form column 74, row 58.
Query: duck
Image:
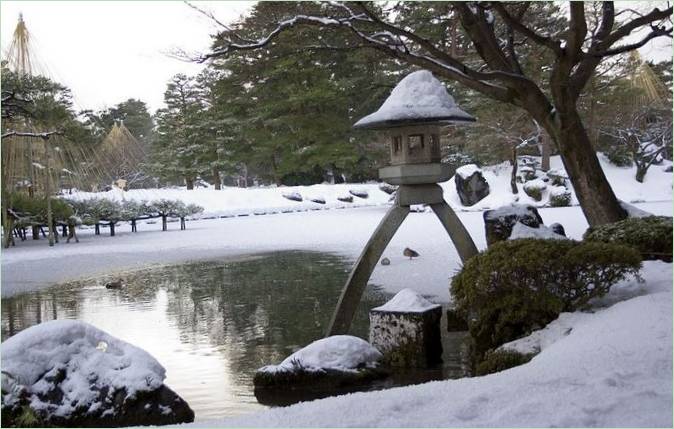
column 410, row 253
column 117, row 284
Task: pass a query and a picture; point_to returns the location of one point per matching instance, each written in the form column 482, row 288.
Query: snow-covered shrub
column 500, row 360
column 131, row 210
column 164, row 207
column 103, row 209
column 651, row 236
column 560, row 197
column 520, row 285
column 183, row 210
column 534, row 189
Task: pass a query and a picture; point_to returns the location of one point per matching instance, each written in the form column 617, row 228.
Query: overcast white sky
column 109, row 51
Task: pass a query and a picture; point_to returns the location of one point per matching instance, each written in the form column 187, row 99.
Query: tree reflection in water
column 252, row 312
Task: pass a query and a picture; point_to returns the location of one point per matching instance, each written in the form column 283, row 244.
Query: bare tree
column 497, row 31
column 647, row 138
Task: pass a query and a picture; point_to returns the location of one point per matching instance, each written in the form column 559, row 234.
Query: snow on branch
column 44, row 136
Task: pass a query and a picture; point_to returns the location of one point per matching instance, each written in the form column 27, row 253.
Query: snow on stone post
column 406, row 330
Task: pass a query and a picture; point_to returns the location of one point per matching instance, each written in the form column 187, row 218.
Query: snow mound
column 340, row 352
column 468, row 170
column 407, row 301
column 543, row 338
column 520, row 230
column 633, row 211
column 90, row 357
column 419, row 96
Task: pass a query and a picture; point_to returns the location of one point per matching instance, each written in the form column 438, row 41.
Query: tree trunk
column 545, row 151
column 35, row 232
column 216, row 179
column 594, row 193
column 112, row 229
column 641, row 173
column 189, row 182
column 513, row 175
column 163, row 223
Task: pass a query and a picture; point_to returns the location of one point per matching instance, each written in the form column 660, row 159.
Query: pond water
column 212, row 324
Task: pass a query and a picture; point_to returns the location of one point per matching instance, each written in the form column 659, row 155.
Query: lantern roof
column 419, row 98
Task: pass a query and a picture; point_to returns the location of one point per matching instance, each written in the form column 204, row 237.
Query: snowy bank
column 232, row 201
column 611, row 368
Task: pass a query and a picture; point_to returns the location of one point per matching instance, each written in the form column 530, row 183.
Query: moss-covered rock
column 517, row 286
column 651, row 236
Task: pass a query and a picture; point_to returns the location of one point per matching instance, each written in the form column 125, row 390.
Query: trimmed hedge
column 651, row 236
column 521, row 285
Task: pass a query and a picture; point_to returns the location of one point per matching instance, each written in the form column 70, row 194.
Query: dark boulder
column 293, row 196
column 470, row 184
column 558, row 228
column 499, row 223
column 389, row 189
column 360, row 193
column 345, row 199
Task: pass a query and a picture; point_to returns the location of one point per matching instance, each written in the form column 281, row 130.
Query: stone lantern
column 411, row 120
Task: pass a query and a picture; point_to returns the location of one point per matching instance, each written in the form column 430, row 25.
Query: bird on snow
column 117, row 284
column 410, row 253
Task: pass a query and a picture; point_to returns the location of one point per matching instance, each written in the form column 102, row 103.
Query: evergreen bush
column 651, row 236
column 560, row 199
column 520, row 285
column 500, row 360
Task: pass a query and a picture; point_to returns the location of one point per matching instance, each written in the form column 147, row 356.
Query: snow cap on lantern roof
column 418, row 99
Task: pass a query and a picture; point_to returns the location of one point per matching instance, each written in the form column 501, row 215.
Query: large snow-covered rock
column 520, row 230
column 72, row 374
column 332, row 365
column 499, row 223
column 471, row 186
column 419, row 96
column 340, row 352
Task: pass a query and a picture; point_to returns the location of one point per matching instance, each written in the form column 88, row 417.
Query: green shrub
column 620, row 156
column 500, row 360
column 560, row 199
column 652, row 235
column 517, row 286
column 534, row 191
column 35, row 208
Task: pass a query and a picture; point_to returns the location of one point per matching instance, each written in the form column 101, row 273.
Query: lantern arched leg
column 457, row 232
column 357, row 281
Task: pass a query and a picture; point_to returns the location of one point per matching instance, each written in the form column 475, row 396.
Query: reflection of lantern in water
column 418, row 107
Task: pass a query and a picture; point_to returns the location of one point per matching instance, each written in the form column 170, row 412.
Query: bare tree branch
column 517, row 25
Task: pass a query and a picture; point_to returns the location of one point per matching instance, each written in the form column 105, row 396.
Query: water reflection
column 211, row 324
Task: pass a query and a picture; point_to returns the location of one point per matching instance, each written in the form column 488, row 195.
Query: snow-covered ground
column 232, row 201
